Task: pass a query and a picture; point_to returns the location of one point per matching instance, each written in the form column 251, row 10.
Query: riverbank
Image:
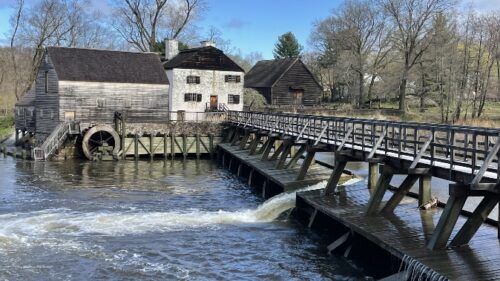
column 6, row 126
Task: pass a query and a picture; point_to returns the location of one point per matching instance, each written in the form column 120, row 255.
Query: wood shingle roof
column 265, row 73
column 91, row 65
column 204, row 58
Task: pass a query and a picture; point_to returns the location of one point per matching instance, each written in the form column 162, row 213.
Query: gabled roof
column 91, row 65
column 205, row 58
column 265, row 73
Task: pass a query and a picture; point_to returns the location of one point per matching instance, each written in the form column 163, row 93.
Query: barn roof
column 205, row 58
column 266, row 72
column 92, row 65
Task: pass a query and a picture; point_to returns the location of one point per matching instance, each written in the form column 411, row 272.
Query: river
column 173, row 220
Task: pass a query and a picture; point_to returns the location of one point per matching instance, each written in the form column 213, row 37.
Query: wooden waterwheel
column 101, row 142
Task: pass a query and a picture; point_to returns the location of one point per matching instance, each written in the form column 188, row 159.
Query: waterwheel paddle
column 101, row 142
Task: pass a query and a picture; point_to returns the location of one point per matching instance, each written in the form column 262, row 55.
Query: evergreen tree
column 287, row 47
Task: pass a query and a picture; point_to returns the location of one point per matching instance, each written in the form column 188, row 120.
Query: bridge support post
column 296, row 156
column 266, row 149
column 424, row 190
column 311, row 152
column 477, row 218
column 380, row 189
column 448, row 219
column 373, row 170
column 244, row 139
column 236, row 136
column 287, row 147
column 340, row 163
column 396, row 198
column 255, row 143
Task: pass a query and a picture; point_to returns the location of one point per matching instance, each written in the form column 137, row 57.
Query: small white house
column 202, row 79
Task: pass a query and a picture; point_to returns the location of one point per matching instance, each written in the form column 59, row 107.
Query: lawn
column 6, row 126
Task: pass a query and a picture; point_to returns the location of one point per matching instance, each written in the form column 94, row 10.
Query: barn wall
column 47, row 104
column 211, row 83
column 299, row 77
column 142, row 103
column 25, row 118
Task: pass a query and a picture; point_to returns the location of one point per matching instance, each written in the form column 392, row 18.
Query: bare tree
column 412, row 22
column 142, row 22
column 361, row 28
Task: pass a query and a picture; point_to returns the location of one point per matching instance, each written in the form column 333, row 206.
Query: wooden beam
column 335, row 177
column 424, row 189
column 446, row 222
column 339, row 242
column 421, row 152
column 284, row 155
column 312, row 218
column 296, row 157
column 473, row 223
column 377, row 196
column 396, row 198
column 377, row 144
column 306, row 164
column 373, row 171
column 344, row 140
column 254, row 144
column 492, row 153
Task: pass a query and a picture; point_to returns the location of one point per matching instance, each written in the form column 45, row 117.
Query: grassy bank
column 6, row 126
column 387, row 111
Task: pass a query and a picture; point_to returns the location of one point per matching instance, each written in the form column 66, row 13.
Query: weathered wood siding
column 97, row 102
column 47, row 104
column 298, row 76
column 25, row 118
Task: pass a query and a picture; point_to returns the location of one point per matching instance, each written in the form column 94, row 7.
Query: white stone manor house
column 202, row 79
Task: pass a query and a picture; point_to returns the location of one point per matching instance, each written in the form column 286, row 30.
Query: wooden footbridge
column 279, row 149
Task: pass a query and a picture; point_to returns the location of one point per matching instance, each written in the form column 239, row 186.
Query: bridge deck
column 407, row 232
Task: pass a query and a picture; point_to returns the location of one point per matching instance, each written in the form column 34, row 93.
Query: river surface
column 174, row 220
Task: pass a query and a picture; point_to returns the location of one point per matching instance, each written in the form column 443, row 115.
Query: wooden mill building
column 284, row 82
column 88, row 86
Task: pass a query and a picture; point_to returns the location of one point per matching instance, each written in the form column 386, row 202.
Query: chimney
column 171, row 48
column 207, row 43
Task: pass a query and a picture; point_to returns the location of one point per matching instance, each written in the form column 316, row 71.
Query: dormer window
column 233, row 79
column 191, row 79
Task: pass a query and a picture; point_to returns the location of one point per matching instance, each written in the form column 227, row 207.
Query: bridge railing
column 471, row 150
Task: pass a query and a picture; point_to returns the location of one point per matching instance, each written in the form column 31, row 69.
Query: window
column 51, row 114
column 127, row 103
column 233, row 99
column 233, row 78
column 46, row 78
column 40, row 113
column 69, row 115
column 193, row 79
column 101, row 102
column 192, row 97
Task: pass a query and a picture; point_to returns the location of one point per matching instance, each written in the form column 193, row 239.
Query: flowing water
column 175, row 220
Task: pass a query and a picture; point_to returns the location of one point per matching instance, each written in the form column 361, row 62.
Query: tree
column 412, row 21
column 142, row 22
column 360, row 27
column 287, row 47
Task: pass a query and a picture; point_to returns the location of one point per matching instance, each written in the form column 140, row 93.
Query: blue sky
column 250, row 25
column 254, row 25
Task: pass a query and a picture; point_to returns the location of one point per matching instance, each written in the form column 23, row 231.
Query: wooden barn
column 86, row 88
column 284, row 82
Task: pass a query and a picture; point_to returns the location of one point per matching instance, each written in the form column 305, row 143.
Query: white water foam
column 50, row 222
